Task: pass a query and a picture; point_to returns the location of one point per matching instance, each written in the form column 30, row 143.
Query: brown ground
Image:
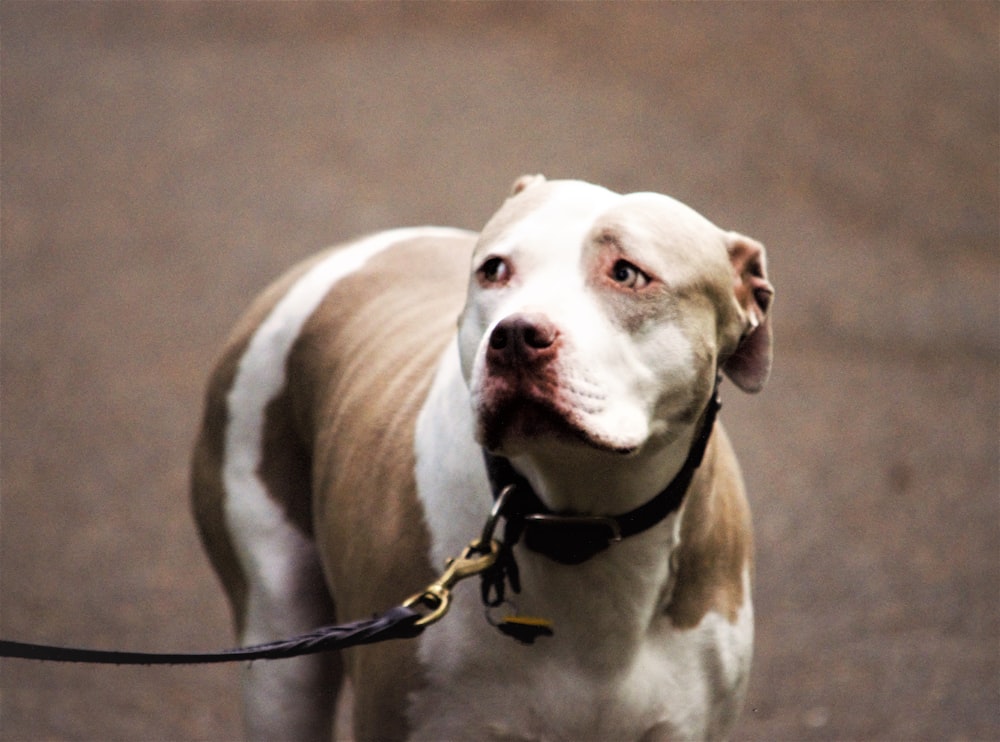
column 161, row 162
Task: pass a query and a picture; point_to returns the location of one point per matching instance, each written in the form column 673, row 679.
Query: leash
column 566, row 538
column 405, row 621
column 397, row 623
column 402, row 622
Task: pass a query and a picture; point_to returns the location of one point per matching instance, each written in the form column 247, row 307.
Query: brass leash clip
column 477, row 557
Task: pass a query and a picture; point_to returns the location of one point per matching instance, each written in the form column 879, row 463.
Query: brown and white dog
column 341, row 462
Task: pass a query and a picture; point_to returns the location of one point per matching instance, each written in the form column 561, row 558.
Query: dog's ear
column 526, row 181
column 750, row 365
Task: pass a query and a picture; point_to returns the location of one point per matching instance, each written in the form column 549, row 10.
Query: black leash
column 402, row 622
column 397, row 623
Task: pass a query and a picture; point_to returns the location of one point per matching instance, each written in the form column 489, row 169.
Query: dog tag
column 525, row 628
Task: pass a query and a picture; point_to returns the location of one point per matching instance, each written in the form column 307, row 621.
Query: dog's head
column 602, row 318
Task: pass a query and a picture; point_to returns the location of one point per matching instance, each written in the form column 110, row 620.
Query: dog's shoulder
column 375, row 335
column 715, row 555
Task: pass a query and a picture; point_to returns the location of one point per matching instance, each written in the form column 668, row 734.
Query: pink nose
column 522, row 339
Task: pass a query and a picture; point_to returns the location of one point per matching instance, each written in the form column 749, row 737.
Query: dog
column 353, row 436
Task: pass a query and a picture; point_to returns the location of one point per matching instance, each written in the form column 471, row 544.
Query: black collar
column 570, row 538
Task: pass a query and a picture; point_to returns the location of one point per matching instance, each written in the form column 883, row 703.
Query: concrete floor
column 161, row 162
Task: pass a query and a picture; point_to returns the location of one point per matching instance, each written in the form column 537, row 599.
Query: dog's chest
column 483, row 685
column 616, row 668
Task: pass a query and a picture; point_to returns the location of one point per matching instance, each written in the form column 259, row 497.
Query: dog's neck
column 570, row 535
column 567, row 477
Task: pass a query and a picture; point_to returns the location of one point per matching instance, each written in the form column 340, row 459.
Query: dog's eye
column 494, row 270
column 626, row 274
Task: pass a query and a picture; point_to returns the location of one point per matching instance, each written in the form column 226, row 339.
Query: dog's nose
column 524, row 338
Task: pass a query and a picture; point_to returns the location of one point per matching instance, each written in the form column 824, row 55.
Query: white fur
column 449, row 470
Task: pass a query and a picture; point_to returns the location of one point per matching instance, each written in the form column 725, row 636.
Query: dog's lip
column 607, row 445
column 524, row 404
column 526, row 418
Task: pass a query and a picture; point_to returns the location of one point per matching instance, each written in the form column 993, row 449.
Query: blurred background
column 161, row 162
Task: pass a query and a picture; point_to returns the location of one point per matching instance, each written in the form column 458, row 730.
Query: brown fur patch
column 285, row 465
column 358, row 375
column 716, row 542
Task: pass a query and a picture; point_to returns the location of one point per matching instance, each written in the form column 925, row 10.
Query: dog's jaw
column 517, row 407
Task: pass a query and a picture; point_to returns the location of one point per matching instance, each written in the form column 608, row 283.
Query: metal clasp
column 499, row 505
column 477, row 557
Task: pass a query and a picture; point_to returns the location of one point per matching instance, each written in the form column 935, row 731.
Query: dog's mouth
column 513, row 417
